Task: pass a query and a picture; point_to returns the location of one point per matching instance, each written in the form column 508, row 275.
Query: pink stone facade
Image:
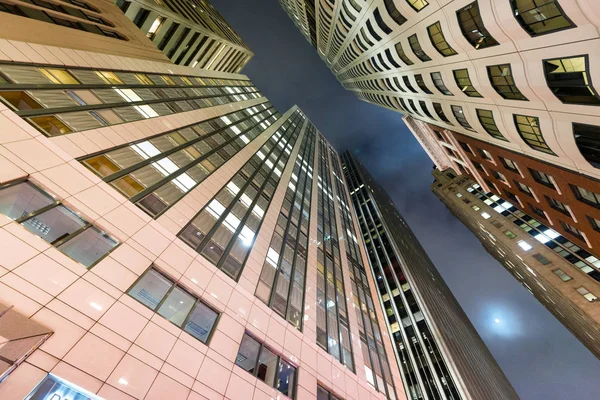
column 105, row 341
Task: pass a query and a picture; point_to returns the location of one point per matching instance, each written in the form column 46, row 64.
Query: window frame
column 582, row 199
column 542, row 143
column 485, row 34
column 441, row 45
column 514, row 93
column 493, row 131
column 588, row 76
column 516, row 12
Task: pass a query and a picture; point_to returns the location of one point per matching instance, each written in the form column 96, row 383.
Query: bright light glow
column 96, row 306
column 155, row 25
column 485, row 215
column 524, row 245
column 123, row 381
column 496, row 320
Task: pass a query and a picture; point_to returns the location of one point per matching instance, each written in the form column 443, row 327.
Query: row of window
column 156, row 172
column 225, row 229
column 536, row 17
column 58, row 101
column 70, row 14
column 49, row 219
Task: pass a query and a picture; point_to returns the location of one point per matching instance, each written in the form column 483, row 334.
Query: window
column 425, row 109
column 594, row 222
column 509, row 234
column 499, row 175
column 393, row 12
column 440, row 112
column 509, row 164
column 524, row 188
column 418, row 5
column 496, row 223
column 439, row 41
column 503, row 82
column 471, row 25
column 413, row 41
column 512, row 196
column 475, row 207
column 408, row 85
column 439, row 84
column 438, row 134
column 402, row 54
column 154, row 27
column 541, row 177
column 529, row 130
column 478, row 166
column 557, row 205
column 587, row 138
column 538, row 211
column 465, row 147
column 421, row 84
column 168, row 35
column 141, row 17
column 543, row 260
column 586, row 293
column 257, row 359
column 586, row 196
column 379, row 21
column 460, row 117
column 486, row 118
column 538, row 17
column 524, row 245
column 562, row 275
column 572, row 230
column 485, row 215
column 48, row 219
column 324, row 394
column 174, row 303
column 461, row 76
column 569, row 80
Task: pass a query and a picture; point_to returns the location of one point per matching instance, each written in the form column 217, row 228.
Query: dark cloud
column 539, row 356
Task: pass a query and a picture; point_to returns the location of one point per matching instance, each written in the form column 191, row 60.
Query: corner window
column 439, row 41
column 587, row 294
column 569, row 80
column 439, row 84
column 413, row 41
column 255, row 358
column 463, row 81
column 486, row 118
column 529, row 130
column 539, row 17
column 440, row 112
column 174, row 303
column 503, row 82
column 471, row 25
column 460, row 117
column 587, row 138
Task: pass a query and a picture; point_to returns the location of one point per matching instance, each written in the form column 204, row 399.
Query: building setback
column 439, row 351
column 189, row 32
column 560, row 274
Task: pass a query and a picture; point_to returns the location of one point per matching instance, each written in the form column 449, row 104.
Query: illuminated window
column 439, row 41
column 529, row 130
column 562, row 275
column 154, row 27
column 475, row 207
column 418, row 5
column 509, row 234
column 471, row 25
column 587, row 294
column 439, row 83
column 485, row 215
column 524, row 245
column 461, row 76
column 486, row 118
column 413, row 41
column 538, row 17
column 569, row 80
column 460, row 117
column 402, row 54
column 502, row 80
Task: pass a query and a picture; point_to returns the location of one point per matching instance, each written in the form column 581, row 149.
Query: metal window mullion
column 70, row 236
column 249, row 211
column 37, row 212
column 167, row 153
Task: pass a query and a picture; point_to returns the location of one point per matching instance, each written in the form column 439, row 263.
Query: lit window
column 503, row 82
column 439, row 41
column 529, row 130
column 486, row 118
column 538, row 17
column 587, row 294
column 413, row 41
column 562, row 275
column 569, row 80
column 439, row 84
column 509, row 234
column 475, row 207
column 485, row 215
column 524, row 245
column 460, row 117
column 418, row 5
column 463, row 81
column 471, row 25
column 154, row 27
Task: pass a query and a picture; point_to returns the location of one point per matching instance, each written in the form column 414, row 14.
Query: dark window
column 499, row 175
column 529, row 130
column 557, row 205
column 438, row 134
column 421, row 84
column 123, row 5
column 425, row 109
column 463, row 81
column 572, row 230
column 587, row 138
column 538, row 211
column 171, row 301
column 486, row 118
column 439, row 41
column 168, row 35
column 440, row 112
column 380, row 22
column 538, row 17
column 478, row 166
column 460, row 117
column 324, row 394
column 436, row 77
column 541, row 177
column 179, row 41
column 408, row 85
column 471, row 25
column 485, row 154
column 255, row 358
column 465, row 147
column 393, row 12
column 509, row 164
column 402, row 54
column 595, row 223
column 413, row 41
column 141, row 17
column 503, row 82
column 543, row 260
column 512, row 196
column 524, row 188
column 586, row 196
column 570, row 81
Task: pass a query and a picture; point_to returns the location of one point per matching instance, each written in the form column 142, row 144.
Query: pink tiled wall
column 118, row 348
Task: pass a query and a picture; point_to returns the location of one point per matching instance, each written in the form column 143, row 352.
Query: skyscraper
column 560, row 274
column 438, row 349
column 190, row 32
column 512, row 78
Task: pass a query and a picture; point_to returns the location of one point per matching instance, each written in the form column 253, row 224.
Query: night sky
column 538, row 355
